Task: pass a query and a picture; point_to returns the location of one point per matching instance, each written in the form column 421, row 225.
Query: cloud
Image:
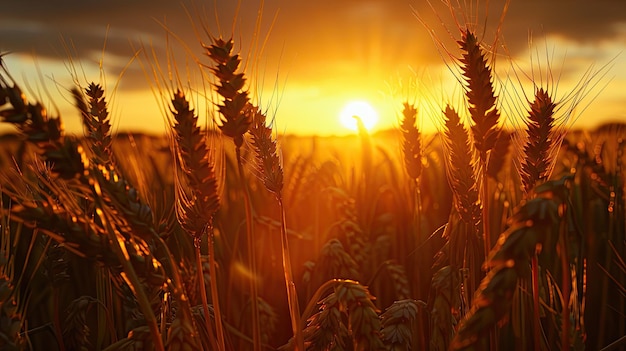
column 310, row 40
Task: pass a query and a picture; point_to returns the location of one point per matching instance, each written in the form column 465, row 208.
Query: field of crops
column 478, row 237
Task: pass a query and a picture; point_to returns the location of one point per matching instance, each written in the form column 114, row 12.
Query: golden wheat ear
column 265, row 148
column 234, row 121
column 96, row 121
column 411, row 141
column 538, row 156
column 461, row 174
column 37, row 127
column 201, row 202
column 480, row 94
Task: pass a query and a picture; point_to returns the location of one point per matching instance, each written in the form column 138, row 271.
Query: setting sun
column 361, row 109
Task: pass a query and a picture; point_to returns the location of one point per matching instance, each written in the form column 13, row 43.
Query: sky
column 306, row 60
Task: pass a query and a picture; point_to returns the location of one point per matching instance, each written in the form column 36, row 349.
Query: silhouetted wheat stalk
column 485, row 116
column 271, row 172
column 197, row 206
column 532, row 224
column 235, row 121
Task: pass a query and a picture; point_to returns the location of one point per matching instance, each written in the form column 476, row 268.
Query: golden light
column 361, row 109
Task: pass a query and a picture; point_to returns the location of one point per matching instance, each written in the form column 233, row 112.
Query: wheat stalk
column 195, row 211
column 235, row 121
column 484, row 113
column 532, row 224
column 272, row 175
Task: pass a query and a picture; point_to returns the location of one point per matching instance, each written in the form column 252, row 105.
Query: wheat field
column 231, row 237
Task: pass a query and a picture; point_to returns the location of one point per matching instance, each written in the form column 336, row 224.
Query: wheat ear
column 96, row 120
column 272, row 174
column 235, row 121
column 326, row 331
column 480, row 94
column 269, row 165
column 411, row 142
column 485, row 116
column 460, row 170
column 537, row 161
column 412, row 152
column 532, row 224
column 397, row 324
column 195, row 211
column 56, row 149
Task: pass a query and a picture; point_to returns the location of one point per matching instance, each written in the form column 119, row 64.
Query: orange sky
column 319, row 55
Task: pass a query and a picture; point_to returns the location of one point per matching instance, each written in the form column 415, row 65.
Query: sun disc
column 361, row 109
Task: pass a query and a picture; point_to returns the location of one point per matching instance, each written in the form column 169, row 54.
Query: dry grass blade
column 538, row 155
column 10, row 318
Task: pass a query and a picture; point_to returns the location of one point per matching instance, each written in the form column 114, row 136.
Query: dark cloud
column 313, row 37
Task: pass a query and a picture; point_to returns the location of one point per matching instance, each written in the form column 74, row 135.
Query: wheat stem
column 485, row 211
column 256, row 331
column 131, row 277
column 217, row 310
column 292, row 295
column 536, row 316
column 566, row 284
column 205, row 303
